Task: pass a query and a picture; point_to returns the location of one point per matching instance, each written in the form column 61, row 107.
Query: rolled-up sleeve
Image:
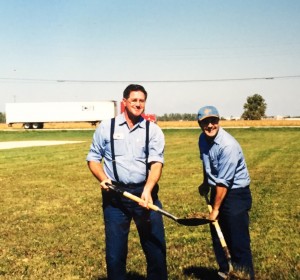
column 97, row 148
column 156, row 144
column 228, row 161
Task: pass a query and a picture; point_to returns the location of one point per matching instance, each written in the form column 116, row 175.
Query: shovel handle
column 139, row 200
column 221, row 236
column 218, row 229
column 209, row 208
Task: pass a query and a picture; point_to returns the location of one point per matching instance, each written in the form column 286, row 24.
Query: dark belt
column 242, row 188
column 128, row 186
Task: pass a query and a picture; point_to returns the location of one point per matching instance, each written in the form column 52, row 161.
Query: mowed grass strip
column 51, row 217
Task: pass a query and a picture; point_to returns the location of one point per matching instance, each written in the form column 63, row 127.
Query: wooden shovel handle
column 139, row 200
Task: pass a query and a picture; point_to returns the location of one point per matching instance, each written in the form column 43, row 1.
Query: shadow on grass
column 202, row 273
column 130, row 276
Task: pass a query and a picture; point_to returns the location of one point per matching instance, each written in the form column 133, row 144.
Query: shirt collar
column 120, row 119
column 217, row 139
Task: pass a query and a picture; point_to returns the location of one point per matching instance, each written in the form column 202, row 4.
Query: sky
column 186, row 53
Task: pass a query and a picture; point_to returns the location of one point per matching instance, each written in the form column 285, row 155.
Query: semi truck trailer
column 35, row 115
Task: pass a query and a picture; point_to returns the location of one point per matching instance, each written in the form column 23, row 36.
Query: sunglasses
column 207, row 121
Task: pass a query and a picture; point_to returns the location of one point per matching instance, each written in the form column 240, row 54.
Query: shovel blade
column 193, row 221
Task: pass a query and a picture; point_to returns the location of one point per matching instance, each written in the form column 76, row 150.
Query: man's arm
column 97, row 170
column 220, row 194
column 153, row 177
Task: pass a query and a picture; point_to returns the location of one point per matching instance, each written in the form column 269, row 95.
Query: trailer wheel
column 37, row 125
column 27, row 125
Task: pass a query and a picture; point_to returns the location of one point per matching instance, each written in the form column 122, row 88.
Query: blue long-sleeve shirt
column 129, row 149
column 223, row 161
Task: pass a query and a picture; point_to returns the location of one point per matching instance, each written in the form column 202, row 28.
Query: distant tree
column 255, row 108
column 2, row 117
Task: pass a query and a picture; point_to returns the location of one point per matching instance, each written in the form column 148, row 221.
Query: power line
column 150, row 81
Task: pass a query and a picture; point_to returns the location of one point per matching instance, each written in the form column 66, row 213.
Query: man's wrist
column 104, row 181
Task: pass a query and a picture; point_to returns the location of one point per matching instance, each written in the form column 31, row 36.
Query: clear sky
column 186, row 53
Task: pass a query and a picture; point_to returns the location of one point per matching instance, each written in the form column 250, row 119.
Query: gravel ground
column 23, row 144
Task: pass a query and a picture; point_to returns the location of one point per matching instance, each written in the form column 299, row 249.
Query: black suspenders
column 113, row 158
column 147, row 147
column 112, row 130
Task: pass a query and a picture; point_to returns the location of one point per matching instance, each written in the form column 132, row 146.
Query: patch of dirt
column 198, row 215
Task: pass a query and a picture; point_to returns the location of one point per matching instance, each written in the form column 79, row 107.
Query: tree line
column 254, row 109
column 177, row 117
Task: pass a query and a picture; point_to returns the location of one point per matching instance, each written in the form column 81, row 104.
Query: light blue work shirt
column 223, row 161
column 129, row 147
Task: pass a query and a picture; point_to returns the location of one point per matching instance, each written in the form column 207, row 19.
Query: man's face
column 210, row 126
column 135, row 104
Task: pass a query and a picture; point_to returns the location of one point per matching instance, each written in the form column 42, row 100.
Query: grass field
column 51, row 218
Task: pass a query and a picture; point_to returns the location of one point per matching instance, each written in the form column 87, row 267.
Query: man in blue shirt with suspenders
column 133, row 153
column 226, row 173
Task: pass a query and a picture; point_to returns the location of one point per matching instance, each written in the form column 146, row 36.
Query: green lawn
column 51, row 218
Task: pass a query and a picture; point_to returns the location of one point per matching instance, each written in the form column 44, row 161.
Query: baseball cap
column 207, row 111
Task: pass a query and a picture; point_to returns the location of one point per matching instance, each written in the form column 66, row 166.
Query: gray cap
column 207, row 111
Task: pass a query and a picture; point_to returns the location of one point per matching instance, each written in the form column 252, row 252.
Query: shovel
column 185, row 221
column 221, row 236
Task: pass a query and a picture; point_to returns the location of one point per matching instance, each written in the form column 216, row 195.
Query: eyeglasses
column 207, row 121
column 136, row 101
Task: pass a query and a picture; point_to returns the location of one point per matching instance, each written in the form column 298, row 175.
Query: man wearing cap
column 226, row 173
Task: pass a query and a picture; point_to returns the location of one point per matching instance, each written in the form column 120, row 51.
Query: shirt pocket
column 119, row 145
column 214, row 165
column 120, row 149
column 139, row 151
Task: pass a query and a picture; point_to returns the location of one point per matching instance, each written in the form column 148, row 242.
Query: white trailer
column 34, row 115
